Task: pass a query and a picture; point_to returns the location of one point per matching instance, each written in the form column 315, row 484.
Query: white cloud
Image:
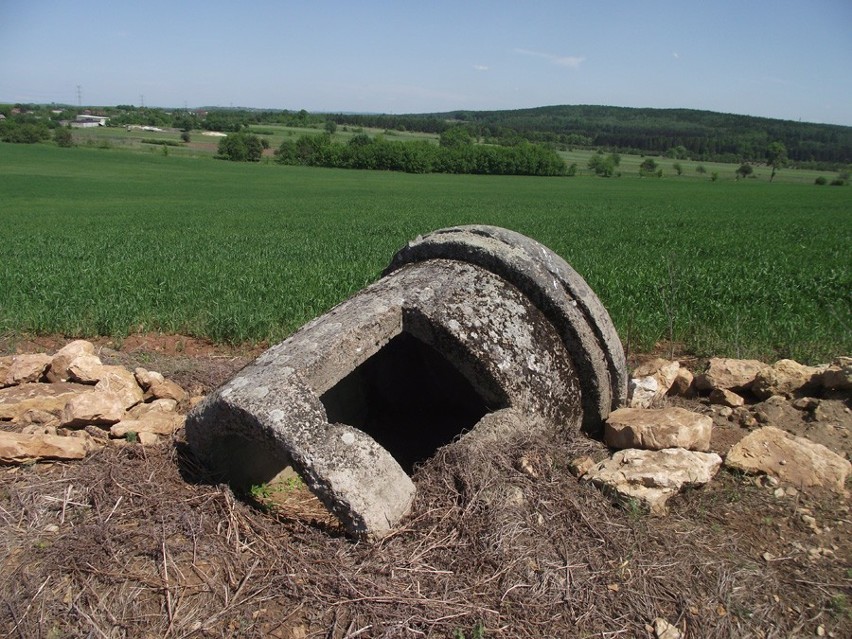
column 675, row 55
column 480, row 67
column 570, row 61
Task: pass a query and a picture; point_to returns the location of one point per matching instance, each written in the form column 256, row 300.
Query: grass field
column 101, row 241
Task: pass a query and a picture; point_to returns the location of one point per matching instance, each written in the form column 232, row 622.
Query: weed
column 838, row 605
column 477, row 632
column 131, row 437
column 260, row 492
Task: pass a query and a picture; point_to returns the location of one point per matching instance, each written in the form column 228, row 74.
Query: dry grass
column 133, row 543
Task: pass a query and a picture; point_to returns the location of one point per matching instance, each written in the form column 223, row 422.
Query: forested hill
column 703, row 134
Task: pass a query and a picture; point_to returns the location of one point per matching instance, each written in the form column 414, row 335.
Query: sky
column 772, row 58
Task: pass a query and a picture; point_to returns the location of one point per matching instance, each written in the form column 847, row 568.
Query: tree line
column 701, row 135
column 454, row 154
column 678, row 133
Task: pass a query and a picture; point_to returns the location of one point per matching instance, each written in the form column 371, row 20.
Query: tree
column 678, row 168
column 456, row 137
column 62, row 137
column 648, row 167
column 604, row 166
column 330, row 126
column 240, row 147
column 185, row 136
column 745, row 170
column 776, row 156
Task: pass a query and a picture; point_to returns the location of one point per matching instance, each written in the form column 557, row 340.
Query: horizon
column 334, row 57
column 170, row 108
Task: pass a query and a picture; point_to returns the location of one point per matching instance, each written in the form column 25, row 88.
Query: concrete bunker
column 468, row 328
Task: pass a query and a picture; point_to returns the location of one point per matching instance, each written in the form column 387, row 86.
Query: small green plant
column 477, row 632
column 294, row 483
column 132, row 436
column 260, row 491
column 838, row 605
column 821, row 181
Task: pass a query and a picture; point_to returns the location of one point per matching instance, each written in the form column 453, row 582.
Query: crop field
column 104, row 242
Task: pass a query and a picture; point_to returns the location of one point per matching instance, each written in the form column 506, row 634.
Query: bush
column 820, row 181
column 185, row 136
column 745, row 170
column 159, row 142
column 700, row 169
column 648, row 167
column 572, row 170
column 604, row 166
column 838, row 182
column 62, row 137
column 240, row 147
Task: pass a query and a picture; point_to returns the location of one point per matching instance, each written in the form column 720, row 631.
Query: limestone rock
column 653, row 476
column 25, row 369
column 86, row 369
column 157, row 406
column 775, row 410
column 786, row 377
column 682, row 383
column 5, row 365
column 58, row 371
column 147, row 378
column 652, row 381
column 148, row 439
column 50, row 398
column 39, row 429
column 792, row 459
column 655, row 429
column 155, row 422
column 100, row 407
column 724, row 397
column 731, row 374
column 16, row 448
column 664, row 630
column 581, row 465
column 838, row 376
column 167, row 390
column 122, row 382
column 643, row 391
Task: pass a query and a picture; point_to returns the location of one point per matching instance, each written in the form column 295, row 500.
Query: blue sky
column 776, row 58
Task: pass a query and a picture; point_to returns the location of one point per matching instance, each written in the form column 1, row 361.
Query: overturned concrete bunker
column 471, row 330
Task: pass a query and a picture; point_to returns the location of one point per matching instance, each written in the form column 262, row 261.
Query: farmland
column 98, row 241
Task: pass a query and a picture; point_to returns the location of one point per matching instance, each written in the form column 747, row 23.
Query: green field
column 105, row 242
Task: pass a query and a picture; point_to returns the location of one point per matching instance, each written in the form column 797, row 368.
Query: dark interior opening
column 408, row 398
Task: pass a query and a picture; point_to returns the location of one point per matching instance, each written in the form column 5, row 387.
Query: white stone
column 791, row 459
column 652, row 477
column 643, row 391
column 729, row 373
column 98, row 408
column 655, row 429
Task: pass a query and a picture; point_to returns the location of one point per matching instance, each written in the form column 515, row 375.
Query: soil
column 138, row 542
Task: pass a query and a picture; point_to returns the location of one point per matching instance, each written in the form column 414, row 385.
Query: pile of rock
column 662, row 450
column 66, row 405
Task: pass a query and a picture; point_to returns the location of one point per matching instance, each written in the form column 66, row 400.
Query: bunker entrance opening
column 408, row 398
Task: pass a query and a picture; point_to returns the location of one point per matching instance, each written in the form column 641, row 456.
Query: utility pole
column 142, row 100
column 79, row 96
